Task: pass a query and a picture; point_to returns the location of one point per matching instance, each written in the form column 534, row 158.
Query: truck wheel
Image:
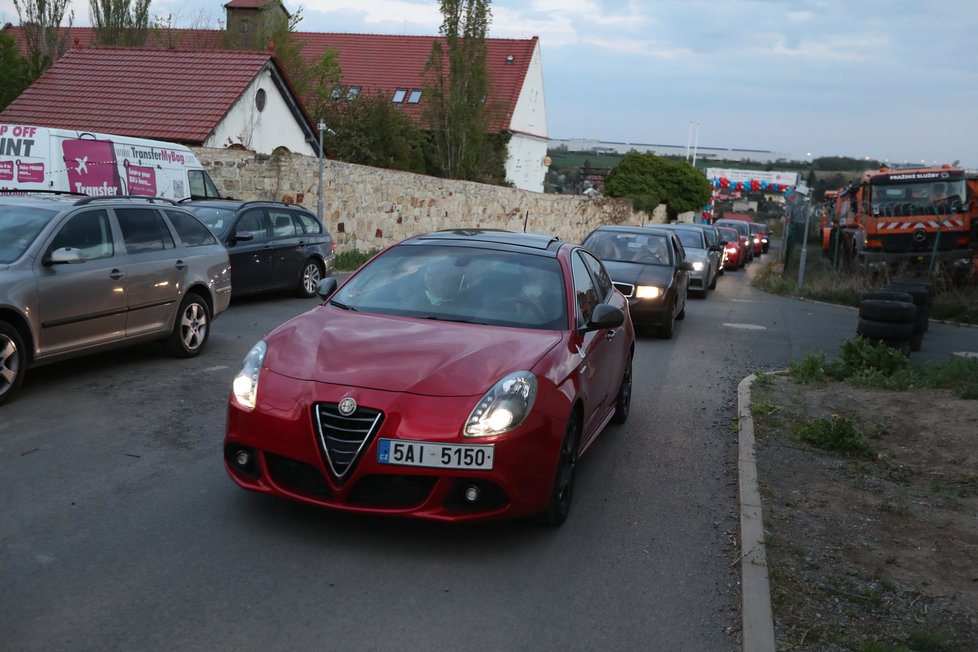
column 882, row 330
column 888, row 311
column 191, row 329
column 13, row 361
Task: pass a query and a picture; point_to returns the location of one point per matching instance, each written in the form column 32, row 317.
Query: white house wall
column 261, row 131
column 524, row 162
column 525, row 166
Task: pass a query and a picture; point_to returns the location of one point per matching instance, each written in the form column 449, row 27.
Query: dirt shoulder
column 875, row 550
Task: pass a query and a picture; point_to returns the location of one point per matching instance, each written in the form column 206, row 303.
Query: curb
column 758, row 618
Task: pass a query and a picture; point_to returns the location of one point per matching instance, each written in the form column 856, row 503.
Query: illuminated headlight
column 245, row 385
column 504, row 407
column 698, row 266
column 732, row 250
column 647, row 292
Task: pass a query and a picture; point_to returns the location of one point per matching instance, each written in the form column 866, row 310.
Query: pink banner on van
column 30, row 172
column 6, row 170
column 141, row 180
column 91, row 167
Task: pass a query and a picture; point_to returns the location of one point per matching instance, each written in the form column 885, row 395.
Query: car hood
column 398, row 354
column 639, row 274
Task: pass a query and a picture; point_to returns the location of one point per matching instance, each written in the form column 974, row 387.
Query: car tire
column 624, row 400
column 666, row 330
column 309, row 278
column 713, row 283
column 682, row 313
column 13, row 361
column 563, row 487
column 891, row 311
column 192, row 328
column 883, row 330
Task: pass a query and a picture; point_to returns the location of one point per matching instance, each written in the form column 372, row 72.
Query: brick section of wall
column 367, row 208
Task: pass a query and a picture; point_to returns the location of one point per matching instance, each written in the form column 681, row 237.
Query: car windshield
column 740, row 227
column 483, row 286
column 691, row 239
column 628, row 247
column 919, row 197
column 755, row 228
column 729, row 235
column 218, row 219
column 19, row 227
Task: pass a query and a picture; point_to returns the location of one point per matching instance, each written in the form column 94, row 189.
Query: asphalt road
column 119, row 529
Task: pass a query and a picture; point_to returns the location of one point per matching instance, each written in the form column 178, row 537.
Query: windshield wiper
column 454, row 320
column 334, row 302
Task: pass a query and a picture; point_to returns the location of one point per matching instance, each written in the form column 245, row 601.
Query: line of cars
column 81, row 275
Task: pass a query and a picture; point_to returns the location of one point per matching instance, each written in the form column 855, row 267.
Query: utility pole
column 319, row 205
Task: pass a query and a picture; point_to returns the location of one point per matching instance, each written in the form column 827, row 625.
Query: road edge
column 758, row 618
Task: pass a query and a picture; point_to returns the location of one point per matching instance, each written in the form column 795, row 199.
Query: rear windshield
column 19, row 227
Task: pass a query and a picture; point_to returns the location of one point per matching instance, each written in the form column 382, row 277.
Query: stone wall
column 367, row 208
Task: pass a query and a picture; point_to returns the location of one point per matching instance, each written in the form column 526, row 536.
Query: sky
column 893, row 80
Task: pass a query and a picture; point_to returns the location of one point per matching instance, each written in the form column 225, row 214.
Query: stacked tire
column 898, row 315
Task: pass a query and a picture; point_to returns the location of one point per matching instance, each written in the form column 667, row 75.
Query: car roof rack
column 39, row 191
column 89, row 200
column 247, row 202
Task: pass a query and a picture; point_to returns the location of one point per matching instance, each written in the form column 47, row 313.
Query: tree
column 456, row 111
column 14, row 71
column 370, row 130
column 46, row 40
column 649, row 180
column 120, row 22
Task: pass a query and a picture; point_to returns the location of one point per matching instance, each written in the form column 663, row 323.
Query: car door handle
column 115, row 275
column 181, row 265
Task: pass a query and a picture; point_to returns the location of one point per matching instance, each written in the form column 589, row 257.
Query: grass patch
column 834, row 434
column 349, row 261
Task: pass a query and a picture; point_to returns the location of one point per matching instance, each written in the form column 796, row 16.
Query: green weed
column 834, row 434
column 351, row 260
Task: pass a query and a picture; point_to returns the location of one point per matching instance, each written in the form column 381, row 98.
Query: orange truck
column 908, row 216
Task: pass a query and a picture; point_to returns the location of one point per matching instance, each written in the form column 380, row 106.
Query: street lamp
column 319, row 205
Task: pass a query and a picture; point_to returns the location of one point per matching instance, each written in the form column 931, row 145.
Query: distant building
column 702, row 153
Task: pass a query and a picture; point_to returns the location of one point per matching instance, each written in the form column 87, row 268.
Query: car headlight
column 504, row 407
column 245, row 384
column 698, row 266
column 648, row 292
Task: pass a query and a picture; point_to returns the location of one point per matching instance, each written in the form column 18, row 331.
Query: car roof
column 62, row 200
column 236, row 204
column 637, row 230
column 512, row 240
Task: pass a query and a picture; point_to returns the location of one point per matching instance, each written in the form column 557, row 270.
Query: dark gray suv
column 273, row 246
column 81, row 275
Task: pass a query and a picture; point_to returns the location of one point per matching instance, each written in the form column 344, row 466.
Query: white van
column 39, row 158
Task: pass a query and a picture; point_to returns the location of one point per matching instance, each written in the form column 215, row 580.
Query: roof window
column 352, row 93
column 399, row 95
column 510, row 60
column 414, row 97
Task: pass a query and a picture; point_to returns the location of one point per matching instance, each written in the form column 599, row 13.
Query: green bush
column 349, row 261
column 834, row 434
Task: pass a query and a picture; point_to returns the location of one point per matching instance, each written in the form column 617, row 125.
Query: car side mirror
column 685, row 266
column 242, row 237
column 604, row 316
column 326, row 288
column 65, row 255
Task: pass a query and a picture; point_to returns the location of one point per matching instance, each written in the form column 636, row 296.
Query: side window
column 584, row 290
column 88, row 232
column 252, row 222
column 678, row 253
column 192, row 231
column 143, row 230
column 201, row 184
column 602, row 281
column 309, row 223
column 282, row 225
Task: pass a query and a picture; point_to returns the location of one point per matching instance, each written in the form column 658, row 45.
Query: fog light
column 472, row 494
column 242, row 458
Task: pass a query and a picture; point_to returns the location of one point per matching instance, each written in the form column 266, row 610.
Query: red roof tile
column 173, row 95
column 375, row 62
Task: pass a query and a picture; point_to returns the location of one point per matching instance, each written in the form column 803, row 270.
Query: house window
column 414, row 97
column 510, row 60
column 336, row 93
column 353, row 92
column 260, row 99
column 399, row 95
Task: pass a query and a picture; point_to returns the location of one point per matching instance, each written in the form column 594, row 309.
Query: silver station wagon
column 80, row 275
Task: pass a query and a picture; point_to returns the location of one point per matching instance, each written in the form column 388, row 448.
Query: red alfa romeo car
column 456, row 376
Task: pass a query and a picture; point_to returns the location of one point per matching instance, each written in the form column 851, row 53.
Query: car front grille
column 392, row 491
column 344, row 438
column 625, row 288
column 297, row 477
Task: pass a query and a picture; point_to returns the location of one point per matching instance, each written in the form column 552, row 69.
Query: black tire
column 889, row 311
column 682, row 313
column 13, row 361
column 713, row 283
column 888, row 295
column 666, row 330
column 921, row 325
column 309, row 277
column 925, row 283
column 624, row 401
column 563, row 487
column 916, row 341
column 921, row 296
column 191, row 329
column 882, row 330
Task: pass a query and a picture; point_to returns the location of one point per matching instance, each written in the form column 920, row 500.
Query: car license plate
column 432, row 455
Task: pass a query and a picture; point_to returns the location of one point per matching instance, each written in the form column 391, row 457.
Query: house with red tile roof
column 393, row 66
column 207, row 98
